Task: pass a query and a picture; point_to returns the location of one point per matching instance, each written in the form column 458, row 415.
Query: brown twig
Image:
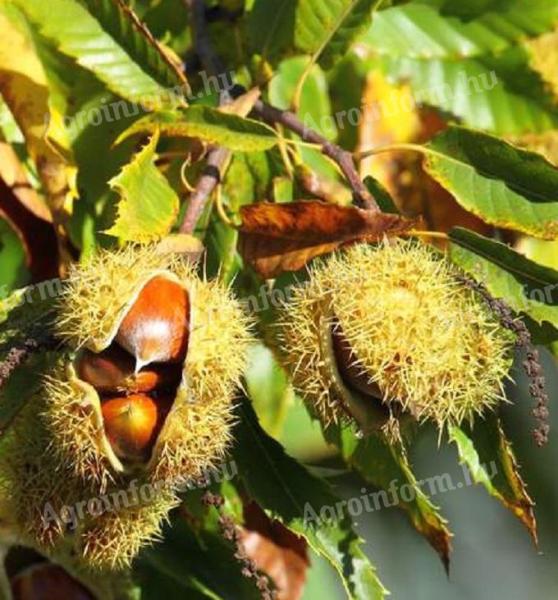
column 344, row 159
column 16, row 357
column 217, row 157
column 202, row 43
column 231, row 533
column 531, row 364
column 211, row 175
column 144, row 31
column 210, row 178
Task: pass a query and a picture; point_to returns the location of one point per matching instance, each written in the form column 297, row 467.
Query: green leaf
column 107, row 43
column 502, row 184
column 289, row 493
column 12, row 257
column 540, row 251
column 324, row 29
column 270, row 27
column 99, row 162
column 210, row 125
column 268, row 388
column 381, row 195
column 283, row 189
column 24, row 382
column 168, row 21
column 475, row 8
column 118, row 20
column 347, row 83
column 223, row 259
column 315, row 103
column 499, row 94
column 314, row 109
column 477, row 70
column 381, row 464
column 246, row 180
column 420, row 31
column 525, row 285
column 491, row 462
column 148, row 205
column 25, row 314
column 189, row 564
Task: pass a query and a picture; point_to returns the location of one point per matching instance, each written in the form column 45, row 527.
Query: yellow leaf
column 148, row 206
column 544, row 58
column 24, row 87
column 541, row 251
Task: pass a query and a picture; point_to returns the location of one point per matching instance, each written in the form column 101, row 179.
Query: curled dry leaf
column 276, row 551
column 276, row 238
column 242, row 105
column 24, row 87
column 14, row 176
column 27, row 214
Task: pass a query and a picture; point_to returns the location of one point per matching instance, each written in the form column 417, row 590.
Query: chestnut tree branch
column 210, row 177
column 531, row 365
column 217, row 157
column 21, row 352
column 208, row 181
column 344, row 159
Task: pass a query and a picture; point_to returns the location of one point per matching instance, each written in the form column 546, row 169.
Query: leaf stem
column 301, row 144
column 433, row 234
column 210, row 177
column 342, row 157
column 221, row 209
column 297, row 95
column 183, row 177
column 391, row 148
column 286, row 152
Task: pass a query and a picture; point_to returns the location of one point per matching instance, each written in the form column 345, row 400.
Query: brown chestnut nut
column 132, row 424
column 113, row 370
column 156, row 328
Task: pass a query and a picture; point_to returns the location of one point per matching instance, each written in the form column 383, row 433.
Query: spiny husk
column 72, row 415
column 98, row 294
column 31, row 480
column 113, row 539
column 429, row 343
column 37, row 495
column 197, row 429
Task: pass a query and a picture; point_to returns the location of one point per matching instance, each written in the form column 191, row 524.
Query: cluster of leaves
column 115, row 124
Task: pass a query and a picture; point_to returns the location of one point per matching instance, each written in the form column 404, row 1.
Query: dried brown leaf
column 242, row 105
column 276, row 551
column 27, row 214
column 276, row 238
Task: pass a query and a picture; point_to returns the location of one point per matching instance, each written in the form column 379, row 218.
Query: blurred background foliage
column 444, row 45
column 493, row 556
